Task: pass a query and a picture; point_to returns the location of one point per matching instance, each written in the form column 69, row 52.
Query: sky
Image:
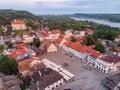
column 41, row 7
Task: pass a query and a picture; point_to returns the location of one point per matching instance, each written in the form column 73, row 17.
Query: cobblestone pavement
column 85, row 79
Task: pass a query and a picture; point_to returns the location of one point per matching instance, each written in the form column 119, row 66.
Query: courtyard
column 85, row 78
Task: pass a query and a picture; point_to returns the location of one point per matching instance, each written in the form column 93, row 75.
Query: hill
column 109, row 17
column 6, row 16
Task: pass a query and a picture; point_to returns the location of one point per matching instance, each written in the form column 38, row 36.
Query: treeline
column 6, row 16
column 63, row 23
column 109, row 17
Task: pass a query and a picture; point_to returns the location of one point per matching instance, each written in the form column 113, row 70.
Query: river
column 99, row 21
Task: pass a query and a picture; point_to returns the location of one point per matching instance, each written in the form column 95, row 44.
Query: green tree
column 73, row 39
column 8, row 65
column 9, row 44
column 1, row 47
column 9, row 30
column 36, row 42
column 100, row 47
column 88, row 40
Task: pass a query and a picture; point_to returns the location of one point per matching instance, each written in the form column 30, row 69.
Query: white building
column 108, row 63
column 18, row 25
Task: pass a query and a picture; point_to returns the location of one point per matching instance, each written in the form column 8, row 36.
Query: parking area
column 85, row 78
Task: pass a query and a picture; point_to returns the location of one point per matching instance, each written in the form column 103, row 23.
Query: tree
column 73, row 39
column 1, row 47
column 9, row 30
column 89, row 40
column 9, row 44
column 100, row 47
column 8, row 65
column 36, row 42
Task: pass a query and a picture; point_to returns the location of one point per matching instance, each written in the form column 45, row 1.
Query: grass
column 21, row 32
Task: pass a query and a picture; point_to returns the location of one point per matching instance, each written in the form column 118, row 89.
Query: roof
column 117, row 49
column 21, row 45
column 93, row 53
column 118, row 37
column 112, row 81
column 88, row 49
column 76, row 46
column 56, row 31
column 111, row 58
column 89, row 31
column 59, row 40
column 46, row 78
column 17, row 52
column 25, row 65
column 18, row 22
column 10, row 82
column 47, row 43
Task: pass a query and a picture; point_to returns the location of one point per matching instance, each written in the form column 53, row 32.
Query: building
column 20, row 53
column 43, row 78
column 82, row 33
column 89, row 31
column 108, row 63
column 9, row 83
column 60, row 41
column 50, row 47
column 117, row 39
column 18, row 25
column 28, row 38
column 25, row 65
column 112, row 82
column 68, row 34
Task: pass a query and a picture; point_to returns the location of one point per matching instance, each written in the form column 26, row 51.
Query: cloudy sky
column 63, row 6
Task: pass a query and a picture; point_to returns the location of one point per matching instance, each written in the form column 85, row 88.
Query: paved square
column 84, row 79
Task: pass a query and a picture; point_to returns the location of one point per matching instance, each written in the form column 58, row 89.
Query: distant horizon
column 61, row 14
column 59, row 7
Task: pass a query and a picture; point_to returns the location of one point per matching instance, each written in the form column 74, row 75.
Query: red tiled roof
column 24, row 65
column 18, row 22
column 89, row 31
column 16, row 53
column 76, row 46
column 117, row 49
column 93, row 53
column 91, row 46
column 118, row 37
column 56, row 31
column 21, row 45
column 59, row 40
column 47, row 43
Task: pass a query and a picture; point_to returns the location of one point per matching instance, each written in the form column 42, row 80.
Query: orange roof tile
column 117, row 49
column 59, row 40
column 18, row 22
column 93, row 53
column 24, row 65
column 21, row 45
column 16, row 53
column 91, row 46
column 118, row 37
column 56, row 31
column 47, row 43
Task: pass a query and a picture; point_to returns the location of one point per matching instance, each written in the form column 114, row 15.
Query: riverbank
column 99, row 21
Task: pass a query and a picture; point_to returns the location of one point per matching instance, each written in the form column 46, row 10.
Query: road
column 84, row 79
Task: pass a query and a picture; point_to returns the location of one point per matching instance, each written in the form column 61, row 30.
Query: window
column 56, row 85
column 53, row 88
column 60, row 83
